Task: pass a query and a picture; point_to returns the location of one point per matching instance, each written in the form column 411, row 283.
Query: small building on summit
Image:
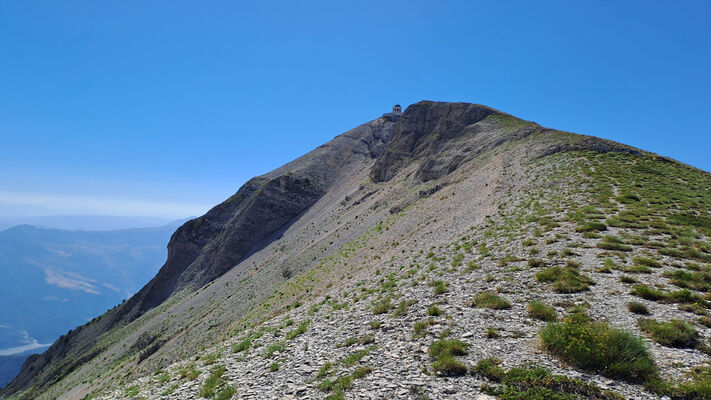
column 397, row 108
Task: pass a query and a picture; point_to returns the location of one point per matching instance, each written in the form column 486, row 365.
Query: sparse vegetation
column 597, row 347
column 274, row 348
column 674, row 333
column 565, row 280
column 443, row 353
column 440, row 287
column 637, row 308
column 213, row 382
column 541, row 311
column 434, row 311
column 536, row 383
column 298, row 331
column 383, row 305
column 490, row 300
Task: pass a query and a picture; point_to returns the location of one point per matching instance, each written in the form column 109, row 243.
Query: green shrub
column 188, row 371
column 375, row 324
column 451, row 347
column 597, row 347
column 698, row 386
column 226, row 393
column 536, row 383
column 274, row 367
column 443, row 352
column 674, row 333
column 440, row 287
column 401, row 309
column 356, row 356
column 420, row 327
column 434, row 311
column 691, row 280
column 683, row 296
column 648, row 293
column 242, row 345
column 273, row 348
column 490, row 300
column 536, row 263
column 324, row 369
column 489, row 368
column 492, row 333
column 343, row 382
column 132, row 391
column 591, row 227
column 541, row 311
column 383, row 305
column 637, row 308
column 613, row 243
column 450, row 366
column 209, row 387
column 638, row 269
column 298, row 331
column 627, row 279
column 211, row 358
column 163, row 378
column 565, row 280
column 647, row 262
column 362, row 371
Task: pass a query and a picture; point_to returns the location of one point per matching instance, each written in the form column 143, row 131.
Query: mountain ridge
column 394, row 164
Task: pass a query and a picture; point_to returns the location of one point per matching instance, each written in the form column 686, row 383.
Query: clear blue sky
column 166, row 107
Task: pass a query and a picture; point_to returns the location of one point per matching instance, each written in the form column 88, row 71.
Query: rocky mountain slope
column 451, row 252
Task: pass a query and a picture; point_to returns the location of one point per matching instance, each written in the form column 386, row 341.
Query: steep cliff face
column 206, row 247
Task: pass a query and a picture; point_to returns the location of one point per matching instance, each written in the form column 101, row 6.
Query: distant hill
column 83, row 222
column 52, row 280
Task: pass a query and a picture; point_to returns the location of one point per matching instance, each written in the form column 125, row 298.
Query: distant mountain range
column 83, row 222
column 52, row 280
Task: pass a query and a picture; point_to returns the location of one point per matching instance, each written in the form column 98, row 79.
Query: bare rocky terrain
column 453, row 251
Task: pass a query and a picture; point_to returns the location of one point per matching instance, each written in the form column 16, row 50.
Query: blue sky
column 164, row 108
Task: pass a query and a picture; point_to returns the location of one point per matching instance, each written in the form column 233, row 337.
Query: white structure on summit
column 397, row 108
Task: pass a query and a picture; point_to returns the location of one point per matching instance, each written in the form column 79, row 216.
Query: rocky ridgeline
column 375, row 332
column 420, row 256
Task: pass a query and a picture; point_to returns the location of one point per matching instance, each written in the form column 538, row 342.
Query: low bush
column 690, row 280
column 613, row 243
column 490, row 300
column 565, row 280
column 489, row 368
column 637, row 308
column 443, row 352
column 440, row 287
column 674, row 333
column 273, row 348
column 591, row 227
column 597, row 347
column 383, row 305
column 298, row 331
column 226, row 393
column 434, row 311
column 420, row 327
column 209, row 387
column 540, row 311
column 536, row 383
column 242, row 345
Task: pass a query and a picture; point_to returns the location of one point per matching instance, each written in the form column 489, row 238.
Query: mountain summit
column 448, row 251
